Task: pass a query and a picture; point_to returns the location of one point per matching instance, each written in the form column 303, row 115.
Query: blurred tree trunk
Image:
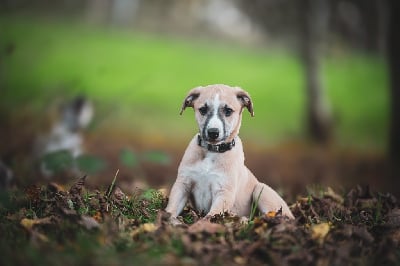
column 120, row 12
column 99, row 11
column 381, row 27
column 394, row 68
column 314, row 25
column 124, row 11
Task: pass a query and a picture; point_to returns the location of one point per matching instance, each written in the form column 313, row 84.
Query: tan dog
column 212, row 173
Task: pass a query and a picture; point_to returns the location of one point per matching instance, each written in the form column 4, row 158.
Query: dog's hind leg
column 269, row 200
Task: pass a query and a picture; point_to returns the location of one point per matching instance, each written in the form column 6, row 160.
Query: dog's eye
column 203, row 110
column 228, row 111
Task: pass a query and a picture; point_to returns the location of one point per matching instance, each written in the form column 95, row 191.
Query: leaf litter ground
column 53, row 224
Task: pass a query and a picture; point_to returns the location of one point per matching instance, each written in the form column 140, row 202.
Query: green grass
column 139, row 80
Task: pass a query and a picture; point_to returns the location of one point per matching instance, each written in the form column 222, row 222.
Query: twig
column 112, row 184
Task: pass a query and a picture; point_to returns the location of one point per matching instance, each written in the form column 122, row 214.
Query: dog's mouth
column 212, row 140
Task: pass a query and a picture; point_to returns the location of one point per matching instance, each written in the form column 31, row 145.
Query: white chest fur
column 207, row 180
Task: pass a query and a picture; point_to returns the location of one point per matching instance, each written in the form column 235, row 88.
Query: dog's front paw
column 208, row 217
column 244, row 220
column 165, row 217
column 176, row 221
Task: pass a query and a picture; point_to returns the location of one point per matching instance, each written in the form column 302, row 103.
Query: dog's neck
column 219, row 148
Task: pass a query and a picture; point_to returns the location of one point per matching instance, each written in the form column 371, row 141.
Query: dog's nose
column 213, row 133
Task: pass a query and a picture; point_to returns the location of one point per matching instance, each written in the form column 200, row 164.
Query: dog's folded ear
column 245, row 99
column 188, row 102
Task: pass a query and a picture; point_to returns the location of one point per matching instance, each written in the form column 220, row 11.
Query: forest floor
column 54, row 224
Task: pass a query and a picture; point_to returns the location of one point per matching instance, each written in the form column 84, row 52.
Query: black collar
column 221, row 148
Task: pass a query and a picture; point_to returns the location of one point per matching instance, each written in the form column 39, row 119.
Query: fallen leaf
column 76, row 188
column 33, row 193
column 240, row 260
column 319, row 231
column 271, row 214
column 98, row 217
column 143, row 228
column 28, row 224
column 329, row 193
column 54, row 187
column 303, row 200
column 36, row 237
column 149, row 227
column 118, row 195
column 164, row 191
column 260, row 230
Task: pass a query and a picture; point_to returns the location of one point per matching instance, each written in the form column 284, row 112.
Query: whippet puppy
column 212, row 174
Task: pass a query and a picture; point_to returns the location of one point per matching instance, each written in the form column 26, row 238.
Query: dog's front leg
column 178, row 198
column 223, row 201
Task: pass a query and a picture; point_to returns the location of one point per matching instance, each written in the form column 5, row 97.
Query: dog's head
column 218, row 110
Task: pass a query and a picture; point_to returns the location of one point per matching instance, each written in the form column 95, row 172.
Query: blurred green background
column 141, row 78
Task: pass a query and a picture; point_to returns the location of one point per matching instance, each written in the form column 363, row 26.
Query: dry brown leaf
column 260, row 230
column 319, row 231
column 76, row 188
column 271, row 214
column 33, row 193
column 118, row 194
column 143, row 228
column 98, row 217
column 329, row 193
column 303, row 200
column 52, row 186
column 36, row 237
column 240, row 260
column 148, row 227
column 164, row 191
column 28, row 224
